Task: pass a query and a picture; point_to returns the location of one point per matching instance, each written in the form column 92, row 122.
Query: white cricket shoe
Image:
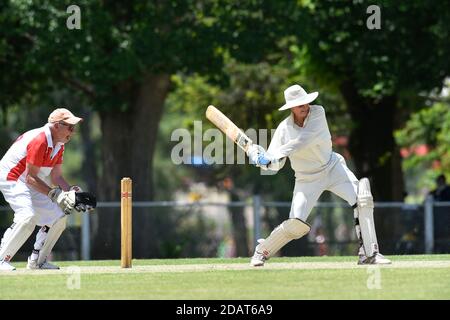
column 377, row 258
column 6, row 266
column 32, row 264
column 258, row 259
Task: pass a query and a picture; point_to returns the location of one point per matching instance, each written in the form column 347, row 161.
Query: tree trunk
column 89, row 166
column 376, row 155
column 239, row 227
column 128, row 144
column 372, row 143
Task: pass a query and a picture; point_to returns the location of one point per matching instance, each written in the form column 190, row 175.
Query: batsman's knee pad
column 16, row 236
column 49, row 240
column 295, row 228
column 288, row 230
column 364, row 218
column 364, row 199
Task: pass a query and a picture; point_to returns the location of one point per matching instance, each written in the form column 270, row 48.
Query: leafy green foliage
column 410, row 51
column 118, row 44
column 430, row 127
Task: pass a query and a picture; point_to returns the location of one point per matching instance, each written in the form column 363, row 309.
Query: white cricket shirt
column 309, row 148
column 34, row 147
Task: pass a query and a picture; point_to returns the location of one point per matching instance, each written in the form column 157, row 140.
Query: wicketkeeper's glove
column 75, row 188
column 64, row 199
column 85, row 201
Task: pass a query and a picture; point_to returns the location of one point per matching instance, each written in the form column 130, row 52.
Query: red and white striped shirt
column 34, row 147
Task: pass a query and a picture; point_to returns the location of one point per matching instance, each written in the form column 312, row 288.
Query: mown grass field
column 409, row 277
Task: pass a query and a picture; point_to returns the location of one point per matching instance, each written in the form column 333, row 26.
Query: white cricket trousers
column 27, row 202
column 336, row 178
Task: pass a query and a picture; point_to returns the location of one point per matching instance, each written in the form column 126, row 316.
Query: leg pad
column 288, row 230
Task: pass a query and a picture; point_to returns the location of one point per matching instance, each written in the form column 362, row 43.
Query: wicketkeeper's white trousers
column 27, row 202
column 336, row 178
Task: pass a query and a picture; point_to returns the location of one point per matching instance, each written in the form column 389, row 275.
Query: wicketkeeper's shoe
column 49, row 266
column 6, row 266
column 377, row 258
column 32, row 264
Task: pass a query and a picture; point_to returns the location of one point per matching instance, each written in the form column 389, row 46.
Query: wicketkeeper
column 304, row 137
column 32, row 183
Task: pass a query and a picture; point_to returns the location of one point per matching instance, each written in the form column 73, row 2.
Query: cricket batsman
column 304, row 137
column 32, row 183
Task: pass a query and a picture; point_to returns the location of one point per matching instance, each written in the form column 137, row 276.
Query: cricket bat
column 228, row 127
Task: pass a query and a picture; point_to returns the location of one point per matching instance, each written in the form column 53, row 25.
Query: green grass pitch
column 409, row 277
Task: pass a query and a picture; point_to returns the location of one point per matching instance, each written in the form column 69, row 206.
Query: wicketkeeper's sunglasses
column 71, row 127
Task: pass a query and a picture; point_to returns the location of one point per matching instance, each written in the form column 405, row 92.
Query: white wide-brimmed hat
column 297, row 96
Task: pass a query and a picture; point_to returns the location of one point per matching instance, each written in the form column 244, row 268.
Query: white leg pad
column 49, row 241
column 288, row 230
column 365, row 218
column 15, row 237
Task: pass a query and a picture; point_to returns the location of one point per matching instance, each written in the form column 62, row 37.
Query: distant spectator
column 441, row 216
column 442, row 191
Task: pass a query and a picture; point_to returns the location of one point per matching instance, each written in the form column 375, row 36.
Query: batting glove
column 258, row 155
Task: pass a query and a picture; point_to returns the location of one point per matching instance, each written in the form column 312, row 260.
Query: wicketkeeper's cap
column 64, row 115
